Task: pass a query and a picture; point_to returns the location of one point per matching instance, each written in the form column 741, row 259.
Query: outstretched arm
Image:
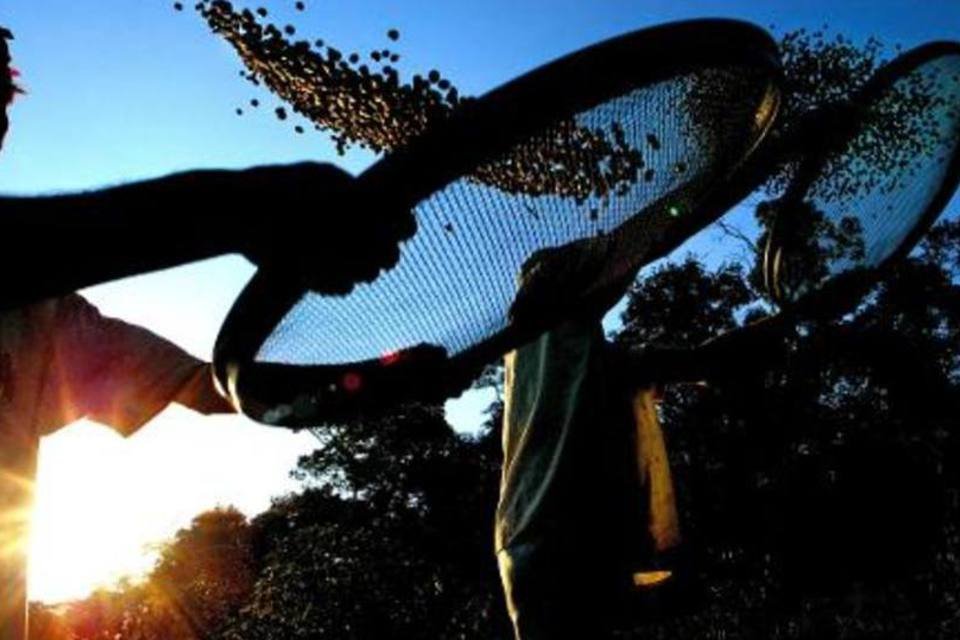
column 60, row 243
column 120, row 374
column 751, row 348
column 292, row 217
column 200, row 393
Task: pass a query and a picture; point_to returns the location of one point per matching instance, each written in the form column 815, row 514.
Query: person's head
column 8, row 88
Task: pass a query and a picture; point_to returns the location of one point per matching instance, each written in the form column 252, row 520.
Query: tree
column 207, row 572
column 815, row 494
column 393, row 537
column 201, row 578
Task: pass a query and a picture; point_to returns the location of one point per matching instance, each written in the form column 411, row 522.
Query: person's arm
column 292, row 217
column 200, row 393
column 60, row 243
column 123, row 375
column 579, row 280
column 751, row 348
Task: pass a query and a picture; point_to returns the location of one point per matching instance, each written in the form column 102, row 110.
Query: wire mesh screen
column 608, row 181
column 870, row 196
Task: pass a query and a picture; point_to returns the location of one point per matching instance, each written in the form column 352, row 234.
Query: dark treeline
column 818, row 498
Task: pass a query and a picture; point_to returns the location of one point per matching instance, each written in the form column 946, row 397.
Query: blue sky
column 122, row 89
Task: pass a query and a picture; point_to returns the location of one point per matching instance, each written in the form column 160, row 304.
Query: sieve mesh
column 870, row 195
column 612, row 179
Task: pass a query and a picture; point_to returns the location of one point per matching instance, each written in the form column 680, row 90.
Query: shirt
column 61, row 360
column 586, row 499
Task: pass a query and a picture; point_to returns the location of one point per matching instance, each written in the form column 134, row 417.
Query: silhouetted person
column 60, row 360
column 586, row 498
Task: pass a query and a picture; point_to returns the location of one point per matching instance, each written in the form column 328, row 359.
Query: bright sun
column 87, row 531
column 105, row 503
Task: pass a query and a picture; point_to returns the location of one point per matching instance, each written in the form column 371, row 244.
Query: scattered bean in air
column 380, row 110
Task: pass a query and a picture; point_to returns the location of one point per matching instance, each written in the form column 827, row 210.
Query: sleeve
column 653, row 470
column 122, row 375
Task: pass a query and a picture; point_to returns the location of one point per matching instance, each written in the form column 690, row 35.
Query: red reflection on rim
column 389, row 358
column 352, row 382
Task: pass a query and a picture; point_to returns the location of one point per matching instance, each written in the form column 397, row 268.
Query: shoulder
column 72, row 308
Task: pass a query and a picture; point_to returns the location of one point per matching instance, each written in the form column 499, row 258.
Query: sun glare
column 86, row 531
column 105, row 503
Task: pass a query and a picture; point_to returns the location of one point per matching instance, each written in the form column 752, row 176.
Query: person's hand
column 309, row 221
column 579, row 278
column 201, row 394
